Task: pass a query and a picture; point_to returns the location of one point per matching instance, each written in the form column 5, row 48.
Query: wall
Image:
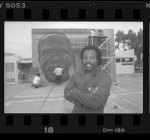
column 123, row 68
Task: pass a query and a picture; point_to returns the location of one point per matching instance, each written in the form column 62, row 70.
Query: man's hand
column 93, row 89
column 76, row 103
column 72, row 100
column 75, row 90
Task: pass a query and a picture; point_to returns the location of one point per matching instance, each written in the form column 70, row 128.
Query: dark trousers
column 37, row 85
column 58, row 79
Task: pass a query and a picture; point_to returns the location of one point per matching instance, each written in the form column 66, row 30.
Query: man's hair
column 38, row 74
column 97, row 50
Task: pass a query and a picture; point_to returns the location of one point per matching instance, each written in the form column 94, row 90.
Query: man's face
column 90, row 60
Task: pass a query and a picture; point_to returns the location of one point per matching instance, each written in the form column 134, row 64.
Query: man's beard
column 88, row 65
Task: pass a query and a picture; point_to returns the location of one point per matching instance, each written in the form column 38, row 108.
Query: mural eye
column 46, row 46
column 46, row 52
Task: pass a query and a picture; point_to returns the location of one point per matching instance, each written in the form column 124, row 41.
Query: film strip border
column 73, row 123
column 65, row 14
column 75, row 11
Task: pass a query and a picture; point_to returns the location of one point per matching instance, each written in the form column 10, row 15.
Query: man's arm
column 68, row 91
column 96, row 99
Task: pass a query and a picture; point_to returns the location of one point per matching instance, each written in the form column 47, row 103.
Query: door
column 10, row 73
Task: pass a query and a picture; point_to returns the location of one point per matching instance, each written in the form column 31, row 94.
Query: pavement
column 125, row 97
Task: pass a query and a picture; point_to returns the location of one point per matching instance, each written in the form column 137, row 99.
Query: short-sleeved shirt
column 78, row 91
column 58, row 71
column 36, row 80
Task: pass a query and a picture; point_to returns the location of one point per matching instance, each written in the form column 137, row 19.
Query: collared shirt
column 58, row 71
column 36, row 80
column 79, row 90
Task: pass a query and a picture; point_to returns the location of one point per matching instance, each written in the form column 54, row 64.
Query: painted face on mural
column 54, row 50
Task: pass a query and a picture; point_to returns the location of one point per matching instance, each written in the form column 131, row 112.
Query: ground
column 125, row 97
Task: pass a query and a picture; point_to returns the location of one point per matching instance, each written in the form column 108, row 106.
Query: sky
column 18, row 36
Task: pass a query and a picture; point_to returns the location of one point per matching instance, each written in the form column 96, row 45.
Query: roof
column 20, row 59
column 129, row 53
column 24, row 61
column 9, row 54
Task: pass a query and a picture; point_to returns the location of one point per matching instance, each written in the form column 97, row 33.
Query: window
column 10, row 67
column 117, row 60
column 10, row 72
column 130, row 59
column 123, row 60
column 127, row 63
column 127, row 60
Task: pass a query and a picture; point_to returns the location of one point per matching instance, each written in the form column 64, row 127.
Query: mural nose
column 48, row 68
column 59, row 54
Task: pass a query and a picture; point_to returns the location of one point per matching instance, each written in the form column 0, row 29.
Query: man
column 89, row 88
column 36, row 81
column 58, row 74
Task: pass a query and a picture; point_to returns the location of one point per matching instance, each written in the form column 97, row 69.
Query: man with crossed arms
column 89, row 88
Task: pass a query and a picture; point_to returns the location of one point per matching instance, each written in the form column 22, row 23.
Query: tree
column 131, row 37
column 139, row 47
column 119, row 39
column 133, row 41
column 119, row 36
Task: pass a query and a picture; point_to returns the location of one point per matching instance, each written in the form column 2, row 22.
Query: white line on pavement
column 28, row 96
column 120, row 88
column 61, row 96
column 126, row 93
column 36, row 100
column 133, row 103
column 128, row 83
column 21, row 101
column 118, row 105
column 22, row 93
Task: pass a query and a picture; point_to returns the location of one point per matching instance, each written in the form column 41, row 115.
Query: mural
column 54, row 49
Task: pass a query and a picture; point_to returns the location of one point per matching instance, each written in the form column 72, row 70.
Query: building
column 16, row 69
column 125, row 62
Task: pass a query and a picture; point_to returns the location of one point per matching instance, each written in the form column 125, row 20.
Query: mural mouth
column 51, row 67
column 50, row 61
